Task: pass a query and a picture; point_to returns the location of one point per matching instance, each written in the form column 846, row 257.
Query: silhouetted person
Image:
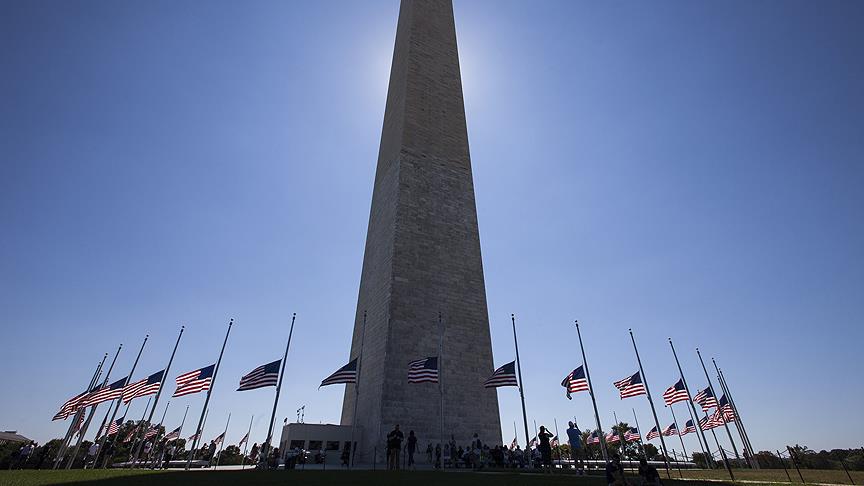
column 648, row 473
column 394, row 447
column 411, row 447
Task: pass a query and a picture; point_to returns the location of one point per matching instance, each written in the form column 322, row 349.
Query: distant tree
column 651, row 452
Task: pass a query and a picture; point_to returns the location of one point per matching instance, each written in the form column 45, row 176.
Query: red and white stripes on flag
column 675, row 393
column 194, row 381
column 688, row 427
column 653, row 433
column 632, row 434
column 671, row 430
column 631, row 386
column 575, row 381
column 106, row 393
column 141, row 388
column 70, row 406
column 503, row 376
column 243, row 440
column 612, row 437
column 218, row 440
column 423, row 370
column 706, row 399
column 151, row 431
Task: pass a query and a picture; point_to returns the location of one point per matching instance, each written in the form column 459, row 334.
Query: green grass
column 364, row 478
column 833, row 476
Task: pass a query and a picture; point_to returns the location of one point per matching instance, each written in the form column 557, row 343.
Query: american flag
column 612, row 437
column 264, row 375
column 345, row 374
column 107, row 393
column 194, row 381
column 554, row 442
column 594, row 438
column 503, row 376
column 193, row 438
column 688, row 427
column 632, row 434
column 726, row 409
column 142, row 388
column 708, row 423
column 70, row 406
column 631, row 386
column 533, row 443
column 79, row 422
column 671, row 430
column 514, row 443
column 243, row 440
column 114, row 426
column 575, row 381
column 706, row 399
column 151, row 431
column 219, row 439
column 653, row 433
column 675, row 393
column 423, row 370
column 173, row 435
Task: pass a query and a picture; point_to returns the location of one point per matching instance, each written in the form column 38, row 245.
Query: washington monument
column 422, row 254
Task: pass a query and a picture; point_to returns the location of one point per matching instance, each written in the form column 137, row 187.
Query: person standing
column 545, row 448
column 574, row 438
column 615, row 472
column 394, row 447
column 411, row 447
column 91, row 454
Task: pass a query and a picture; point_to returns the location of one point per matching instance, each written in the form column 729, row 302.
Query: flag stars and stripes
column 575, row 381
column 194, row 381
column 142, row 388
column 345, row 374
column 423, row 370
column 264, row 375
column 706, row 399
column 631, row 386
column 675, row 393
column 503, row 376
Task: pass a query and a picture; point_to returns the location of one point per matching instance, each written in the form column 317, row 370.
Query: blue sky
column 687, row 169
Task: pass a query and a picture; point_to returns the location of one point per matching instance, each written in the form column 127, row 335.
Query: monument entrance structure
column 422, row 256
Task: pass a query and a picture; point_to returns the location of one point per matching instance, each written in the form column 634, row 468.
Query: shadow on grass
column 305, row 478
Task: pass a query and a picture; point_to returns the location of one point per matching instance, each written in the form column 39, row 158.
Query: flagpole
column 441, row 386
column 651, row 402
column 68, row 437
column 246, row 445
column 198, row 433
column 159, row 391
column 677, row 429
column 210, row 390
column 266, row 444
column 740, row 423
column 104, row 421
column 117, row 407
column 158, row 433
column 138, row 428
column 558, row 447
column 352, row 447
column 639, row 429
column 744, row 447
column 593, row 400
column 222, row 444
column 521, row 388
column 711, row 387
column 182, row 422
column 694, row 416
column 92, row 412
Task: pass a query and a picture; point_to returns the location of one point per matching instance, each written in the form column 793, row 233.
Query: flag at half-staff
column 194, row 381
column 706, row 399
column 632, row 434
column 423, row 370
column 193, row 438
column 144, row 387
column 503, row 376
column 218, row 440
column 514, row 443
column 653, row 433
column 151, row 431
column 710, row 422
column 612, row 437
column 107, row 393
column 244, row 440
column 594, row 438
column 688, row 428
column 264, row 375
column 631, row 386
column 675, row 393
column 345, row 374
column 71, row 406
column 725, row 408
column 575, row 382
column 671, row 430
column 132, row 433
column 173, row 435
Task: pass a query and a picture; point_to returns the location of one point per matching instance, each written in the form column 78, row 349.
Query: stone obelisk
column 422, row 254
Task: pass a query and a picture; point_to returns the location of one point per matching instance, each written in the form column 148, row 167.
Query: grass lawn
column 835, row 476
column 357, row 478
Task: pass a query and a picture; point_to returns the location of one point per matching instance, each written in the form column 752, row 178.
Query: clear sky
column 687, row 169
